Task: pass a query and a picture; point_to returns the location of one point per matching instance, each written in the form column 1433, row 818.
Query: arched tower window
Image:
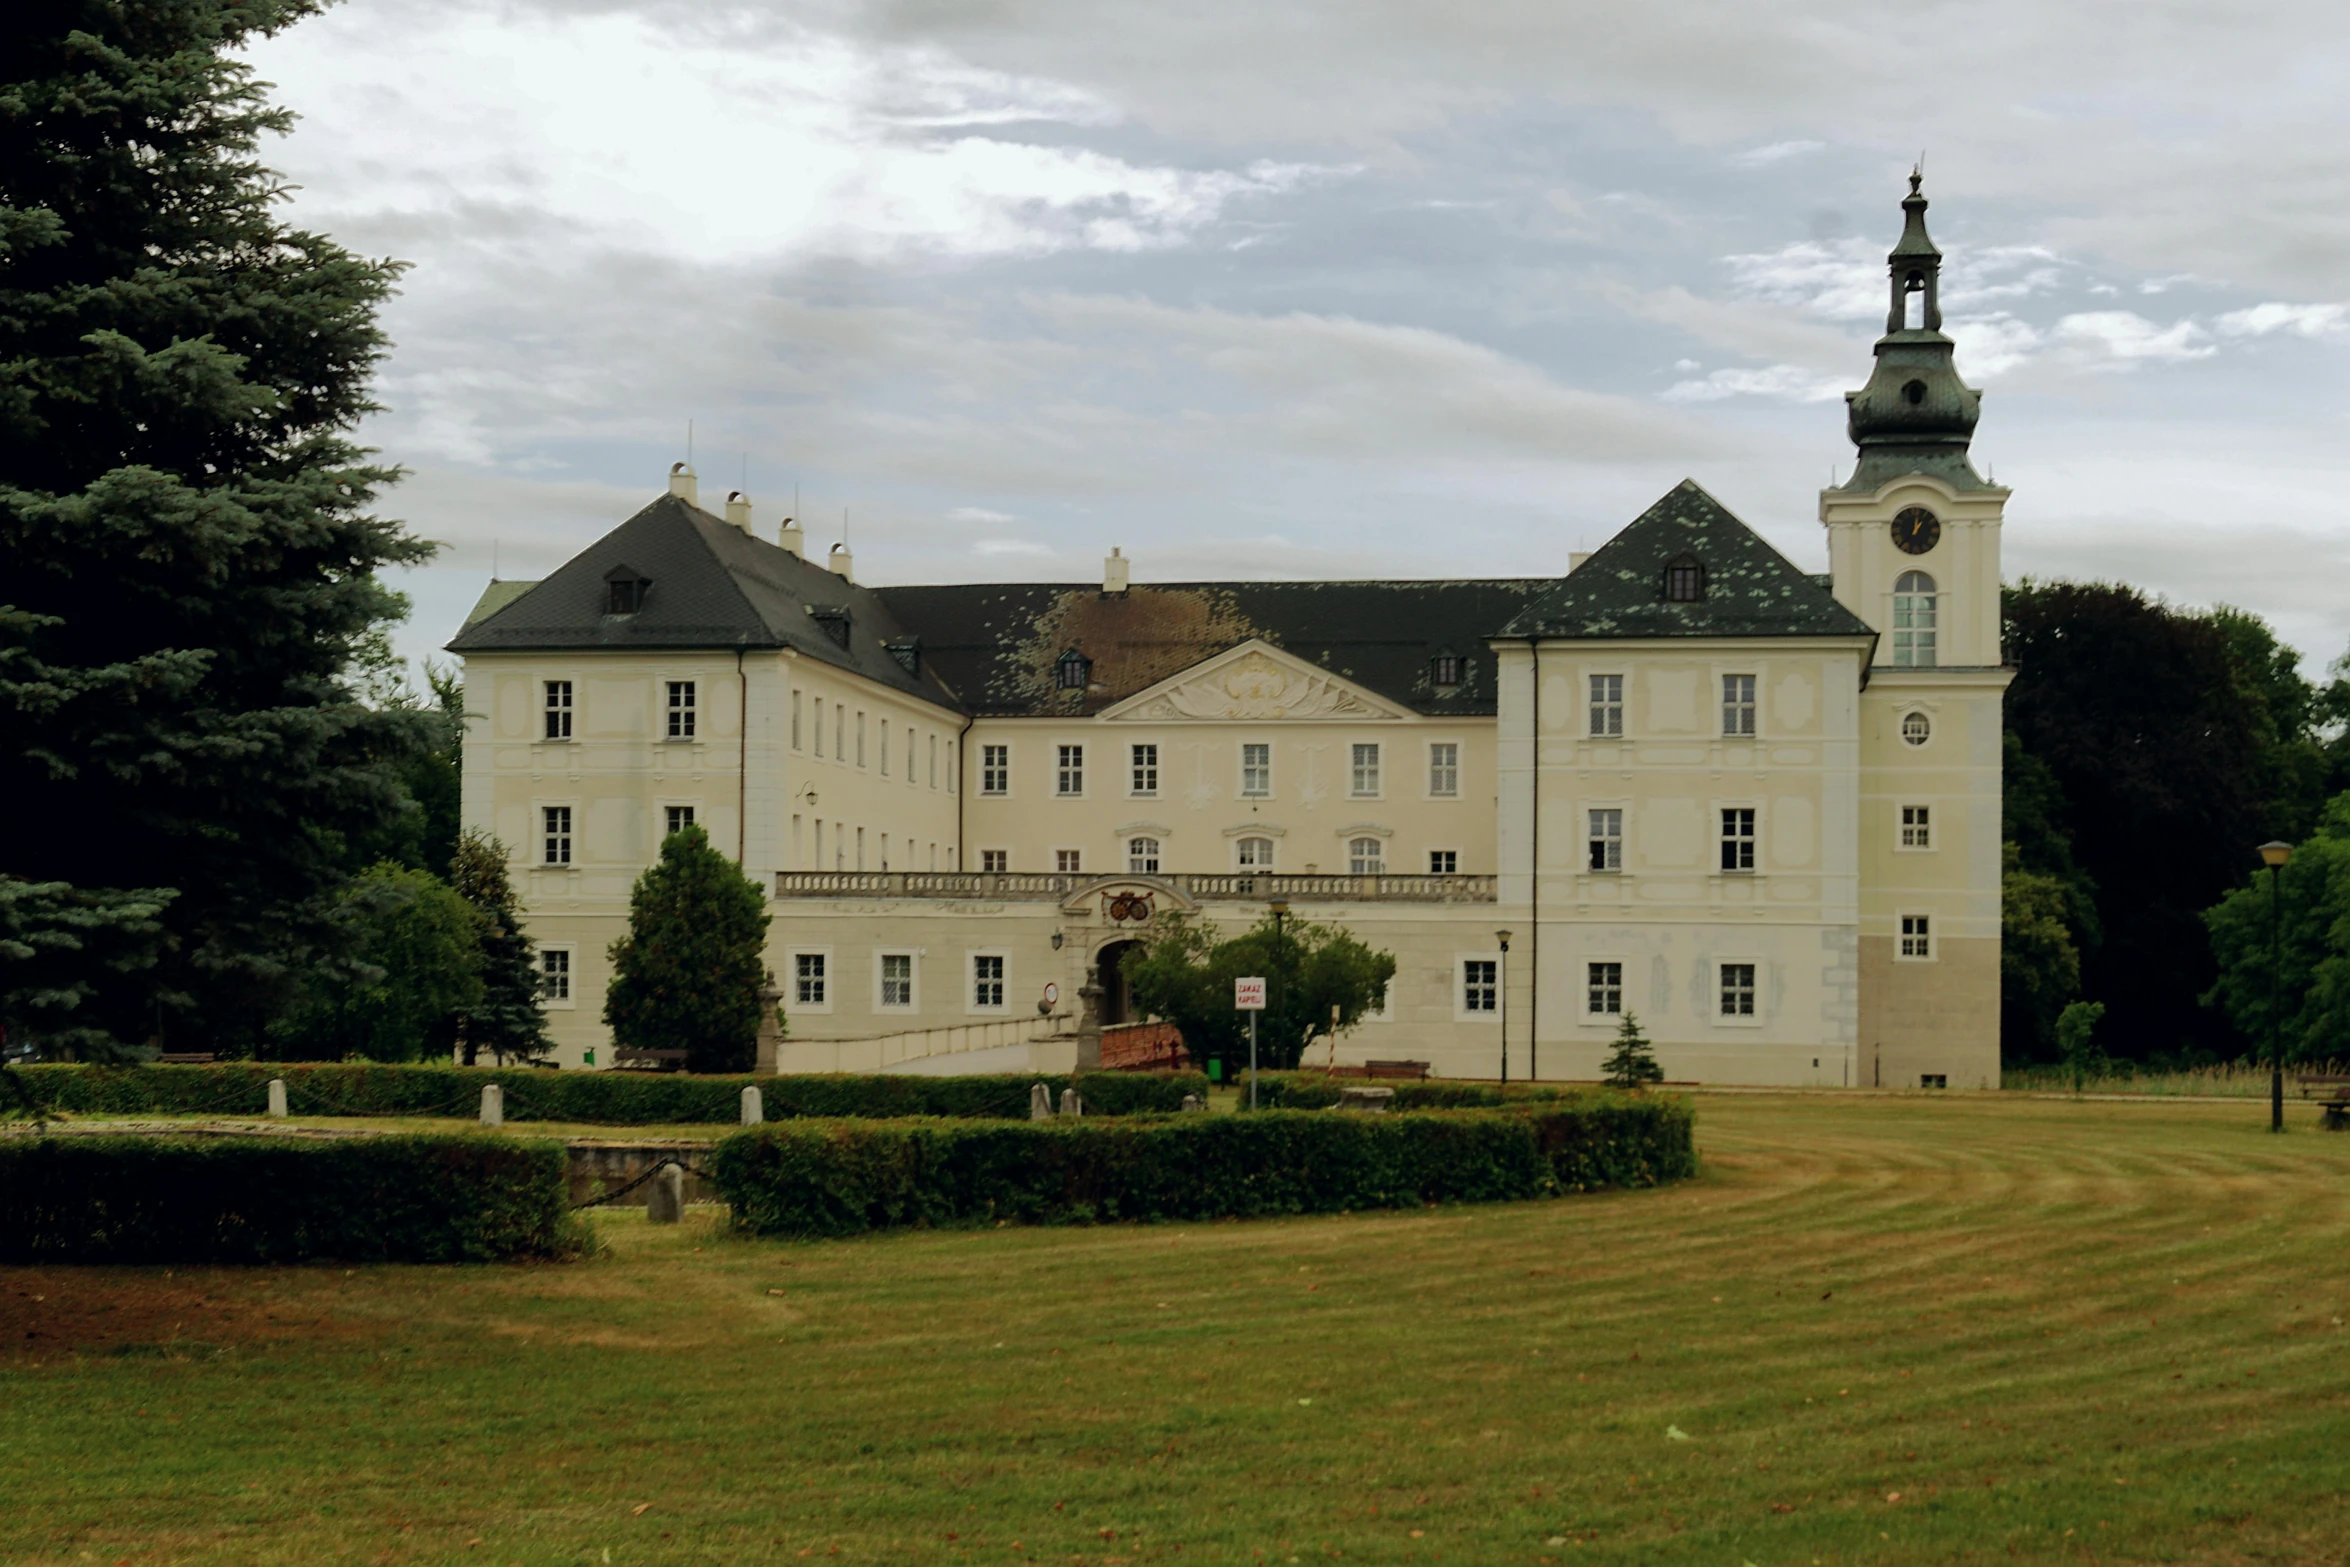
column 1684, row 580
column 1913, row 620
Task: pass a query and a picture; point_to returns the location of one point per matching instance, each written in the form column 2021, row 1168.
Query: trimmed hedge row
column 822, row 1179
column 1317, row 1091
column 609, row 1098
column 266, row 1200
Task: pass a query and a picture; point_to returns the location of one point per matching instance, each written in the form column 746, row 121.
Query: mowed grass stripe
column 2001, row 1305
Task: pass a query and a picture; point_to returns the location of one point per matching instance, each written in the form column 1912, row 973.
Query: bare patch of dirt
column 49, row 1312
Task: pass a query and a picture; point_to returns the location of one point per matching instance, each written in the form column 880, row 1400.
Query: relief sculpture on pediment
column 1257, row 686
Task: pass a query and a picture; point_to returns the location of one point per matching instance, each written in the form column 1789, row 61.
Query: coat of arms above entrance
column 1252, row 682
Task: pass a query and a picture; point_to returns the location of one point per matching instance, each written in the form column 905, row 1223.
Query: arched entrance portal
column 1117, row 990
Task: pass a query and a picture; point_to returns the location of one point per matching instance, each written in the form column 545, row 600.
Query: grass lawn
column 1905, row 1330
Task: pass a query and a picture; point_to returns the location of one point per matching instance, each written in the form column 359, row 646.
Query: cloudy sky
column 1338, row 287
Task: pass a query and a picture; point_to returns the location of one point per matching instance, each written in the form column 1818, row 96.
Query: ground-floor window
column 897, row 979
column 555, row 973
column 1444, row 862
column 987, row 981
column 1737, row 989
column 995, row 862
column 1480, row 984
column 1604, row 988
column 1069, row 862
column 808, row 979
column 1917, row 936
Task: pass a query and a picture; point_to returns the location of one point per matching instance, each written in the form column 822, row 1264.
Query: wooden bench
column 655, row 1060
column 1416, row 1071
column 187, row 1058
column 2332, row 1093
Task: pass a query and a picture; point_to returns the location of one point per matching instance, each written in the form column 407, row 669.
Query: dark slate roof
column 712, row 586
column 1751, row 590
column 998, row 644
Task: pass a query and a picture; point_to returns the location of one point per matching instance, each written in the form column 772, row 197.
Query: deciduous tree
column 1184, row 974
column 415, row 960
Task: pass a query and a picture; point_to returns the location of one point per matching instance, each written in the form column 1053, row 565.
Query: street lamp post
column 1501, row 984
column 2274, row 855
column 1279, row 909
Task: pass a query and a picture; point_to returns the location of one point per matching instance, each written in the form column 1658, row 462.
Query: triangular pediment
column 1254, row 681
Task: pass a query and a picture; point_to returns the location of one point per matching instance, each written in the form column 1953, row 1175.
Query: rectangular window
column 1069, row 778
column 679, row 818
column 897, row 979
column 558, row 709
column 1607, row 705
column 885, row 851
column 681, row 710
column 1603, row 989
column 1366, row 857
column 1142, row 856
column 1607, row 840
column 1738, row 704
column 1917, row 827
column 1256, row 771
column 995, row 769
column 883, row 741
column 995, row 862
column 1069, row 862
column 840, row 733
column 1737, row 989
column 556, row 820
column 934, row 761
column 1738, row 838
column 795, row 720
column 1444, row 862
column 987, row 981
column 1146, row 769
column 1366, row 771
column 1917, row 936
column 860, row 737
column 1480, row 985
column 808, row 979
column 1254, row 854
column 1444, row 770
column 951, row 784
column 820, row 726
column 554, row 974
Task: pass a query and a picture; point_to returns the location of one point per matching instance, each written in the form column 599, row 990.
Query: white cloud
column 2126, row 339
column 1011, row 547
column 2303, row 320
column 1786, row 383
column 1991, row 346
column 977, row 514
column 1777, row 152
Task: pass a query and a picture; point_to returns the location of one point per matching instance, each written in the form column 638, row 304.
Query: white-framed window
column 1738, row 706
column 1253, row 854
column 1917, row 827
column 1738, row 837
column 995, row 769
column 558, row 711
column 1603, row 989
column 860, row 848
column 1256, row 770
column 681, row 710
column 1069, row 771
column 1480, row 986
column 952, row 785
column 555, row 977
column 555, row 835
column 894, row 981
column 884, row 864
column 819, row 726
column 795, row 719
column 1069, row 862
column 881, row 747
column 1917, row 938
column 676, row 819
column 860, row 737
column 1736, row 984
column 1366, row 857
column 1916, row 728
column 1444, row 769
column 1607, row 706
column 1607, row 838
column 1143, row 770
column 1913, row 621
column 1444, row 862
column 934, row 761
column 987, row 982
column 1142, row 856
column 840, row 733
column 995, row 862
column 810, row 981
column 1364, row 781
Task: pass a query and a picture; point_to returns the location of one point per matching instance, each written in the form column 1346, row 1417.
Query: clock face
column 1916, row 530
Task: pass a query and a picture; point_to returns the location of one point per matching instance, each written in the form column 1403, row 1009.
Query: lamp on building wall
column 1056, row 941
column 1501, row 986
column 2274, row 855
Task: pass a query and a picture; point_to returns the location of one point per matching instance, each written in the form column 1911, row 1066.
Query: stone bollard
column 1040, row 1102
column 493, row 1105
column 1194, row 1102
column 277, row 1096
column 1070, row 1103
column 754, row 1107
column 665, row 1195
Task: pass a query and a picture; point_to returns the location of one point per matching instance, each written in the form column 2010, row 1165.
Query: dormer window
column 624, row 591
column 908, row 652
column 1445, row 669
column 1684, row 580
column 1074, row 671
column 834, row 620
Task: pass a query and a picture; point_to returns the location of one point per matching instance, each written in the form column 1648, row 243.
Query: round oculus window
column 1916, row 729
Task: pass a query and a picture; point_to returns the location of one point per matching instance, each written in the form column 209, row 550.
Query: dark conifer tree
column 506, row 1021
column 1631, row 1063
column 688, row 974
column 187, row 553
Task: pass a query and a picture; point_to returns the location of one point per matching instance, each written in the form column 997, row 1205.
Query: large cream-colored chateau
column 1760, row 808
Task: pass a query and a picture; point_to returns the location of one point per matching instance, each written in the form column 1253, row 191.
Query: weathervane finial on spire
column 1917, row 174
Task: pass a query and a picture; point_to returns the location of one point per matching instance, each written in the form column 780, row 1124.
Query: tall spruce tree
column 687, row 975
column 506, row 1021
column 187, row 554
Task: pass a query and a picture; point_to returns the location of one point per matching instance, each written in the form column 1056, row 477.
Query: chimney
column 1575, row 558
column 681, row 482
column 843, row 563
column 1114, row 571
column 791, row 538
column 738, row 510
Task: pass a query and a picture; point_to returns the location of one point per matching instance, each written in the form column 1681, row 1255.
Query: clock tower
column 1913, row 548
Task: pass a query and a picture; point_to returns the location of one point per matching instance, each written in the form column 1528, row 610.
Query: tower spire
column 1915, row 415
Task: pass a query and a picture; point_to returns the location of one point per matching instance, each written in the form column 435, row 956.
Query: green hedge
column 534, row 1094
column 1318, row 1091
column 815, row 1179
column 253, row 1199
